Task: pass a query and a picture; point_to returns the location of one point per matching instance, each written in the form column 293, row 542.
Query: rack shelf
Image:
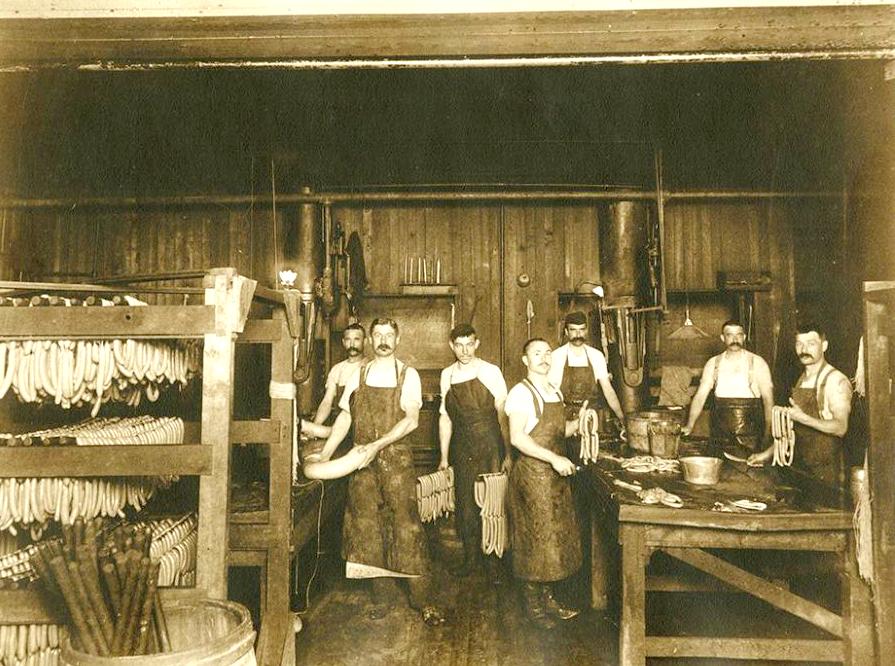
column 207, row 455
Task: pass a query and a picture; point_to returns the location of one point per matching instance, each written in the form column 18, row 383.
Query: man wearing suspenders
column 382, row 527
column 744, row 394
column 580, row 372
column 545, row 536
column 820, row 408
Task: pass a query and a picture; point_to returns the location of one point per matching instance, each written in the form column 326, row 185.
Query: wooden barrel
column 203, row 632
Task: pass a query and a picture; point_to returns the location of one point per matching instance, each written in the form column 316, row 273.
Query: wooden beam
column 160, row 41
column 760, row 588
column 747, row 523
column 879, row 370
column 631, row 646
column 120, row 321
column 84, row 461
column 783, row 649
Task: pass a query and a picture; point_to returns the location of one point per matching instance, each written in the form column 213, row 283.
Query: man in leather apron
column 744, row 395
column 382, row 527
column 580, row 372
column 820, row 409
column 470, row 430
column 546, row 543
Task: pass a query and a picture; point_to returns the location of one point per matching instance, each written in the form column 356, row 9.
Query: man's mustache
column 805, row 356
column 383, row 348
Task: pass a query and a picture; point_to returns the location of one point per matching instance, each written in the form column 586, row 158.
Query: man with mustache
column 470, row 430
column 580, row 371
column 744, row 394
column 382, row 527
column 353, row 344
column 820, row 409
column 546, row 538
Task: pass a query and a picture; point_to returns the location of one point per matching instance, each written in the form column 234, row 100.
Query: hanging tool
column 529, row 315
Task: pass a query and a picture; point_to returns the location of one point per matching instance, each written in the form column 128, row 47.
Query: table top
column 789, row 508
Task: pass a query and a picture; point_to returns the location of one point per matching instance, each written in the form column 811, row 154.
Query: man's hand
column 563, row 466
column 443, row 464
column 507, row 464
column 369, row 451
column 686, row 430
column 797, row 414
column 759, row 459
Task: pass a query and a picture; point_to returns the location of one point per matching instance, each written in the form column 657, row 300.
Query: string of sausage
column 72, row 373
column 435, row 494
column 490, row 497
column 589, row 433
column 784, row 436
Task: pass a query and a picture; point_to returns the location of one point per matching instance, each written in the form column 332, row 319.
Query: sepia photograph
column 392, row 332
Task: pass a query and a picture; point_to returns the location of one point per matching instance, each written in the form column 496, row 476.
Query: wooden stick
column 60, row 572
column 133, row 623
column 90, row 615
column 95, row 596
column 161, row 625
column 127, row 604
column 143, row 628
column 113, row 588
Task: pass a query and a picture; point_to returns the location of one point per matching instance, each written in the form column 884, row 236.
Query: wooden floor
column 486, row 626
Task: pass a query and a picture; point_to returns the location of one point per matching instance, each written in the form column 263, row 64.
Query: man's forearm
column 323, row 410
column 401, row 429
column 445, row 430
column 339, row 429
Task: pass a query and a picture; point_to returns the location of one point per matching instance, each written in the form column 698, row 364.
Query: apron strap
column 821, row 385
column 536, row 397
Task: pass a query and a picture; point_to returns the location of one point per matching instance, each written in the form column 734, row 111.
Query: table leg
column 603, row 566
column 857, row 612
column 632, row 632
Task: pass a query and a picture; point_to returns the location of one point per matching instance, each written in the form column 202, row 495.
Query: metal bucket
column 638, row 425
column 701, row 470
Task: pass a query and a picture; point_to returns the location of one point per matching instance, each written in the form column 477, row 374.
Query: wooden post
column 230, row 295
column 879, row 309
column 632, row 633
column 603, row 559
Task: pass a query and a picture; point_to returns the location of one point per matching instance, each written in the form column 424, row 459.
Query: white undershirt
column 382, row 375
column 487, row 373
column 577, row 358
column 520, row 401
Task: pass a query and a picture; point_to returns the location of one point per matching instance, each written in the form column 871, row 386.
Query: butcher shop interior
column 459, row 338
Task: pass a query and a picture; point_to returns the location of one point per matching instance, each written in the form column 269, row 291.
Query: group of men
column 381, row 399
column 819, row 404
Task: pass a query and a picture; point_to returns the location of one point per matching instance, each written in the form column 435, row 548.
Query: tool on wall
column 529, row 315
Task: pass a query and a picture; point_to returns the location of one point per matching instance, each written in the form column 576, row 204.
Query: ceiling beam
column 856, row 31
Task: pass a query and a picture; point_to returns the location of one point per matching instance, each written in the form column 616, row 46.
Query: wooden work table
column 791, row 522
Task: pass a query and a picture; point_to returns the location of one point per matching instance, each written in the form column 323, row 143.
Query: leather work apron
column 544, row 527
column 382, row 525
column 817, row 453
column 578, row 385
column 738, row 420
column 476, row 448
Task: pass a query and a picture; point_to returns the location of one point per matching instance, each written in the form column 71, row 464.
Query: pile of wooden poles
column 109, row 586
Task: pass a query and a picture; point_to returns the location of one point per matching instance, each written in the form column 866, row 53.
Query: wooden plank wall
column 464, row 237
column 556, row 245
column 76, row 245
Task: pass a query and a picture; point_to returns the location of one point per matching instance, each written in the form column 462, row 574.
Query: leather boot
column 534, row 606
column 555, row 608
